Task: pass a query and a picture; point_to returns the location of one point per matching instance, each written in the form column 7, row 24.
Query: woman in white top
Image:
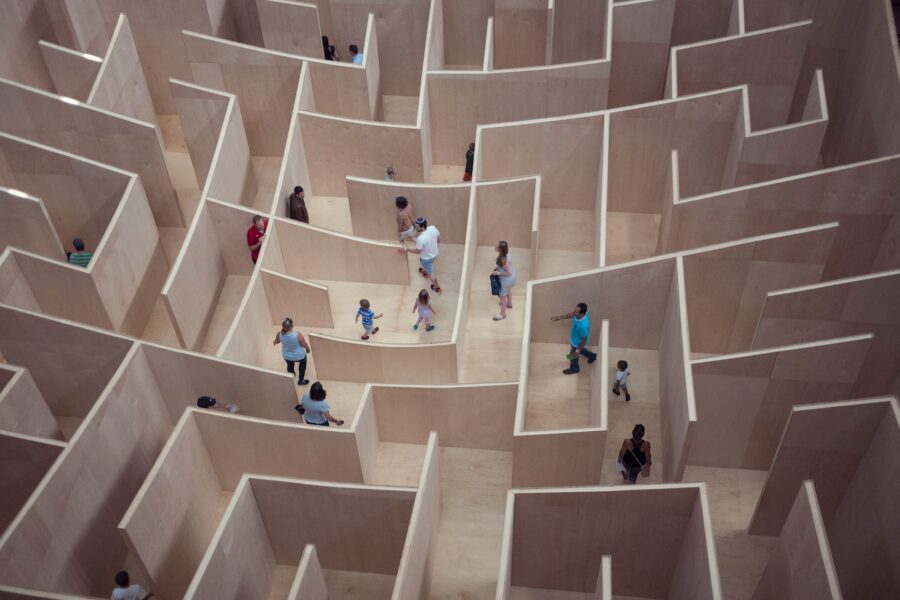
column 507, row 273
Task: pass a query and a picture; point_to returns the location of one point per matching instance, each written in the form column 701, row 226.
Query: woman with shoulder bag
column 634, row 457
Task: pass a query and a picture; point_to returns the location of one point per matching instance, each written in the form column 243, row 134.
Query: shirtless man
column 405, row 228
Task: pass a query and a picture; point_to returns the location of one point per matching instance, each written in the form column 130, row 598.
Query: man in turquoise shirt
column 578, row 337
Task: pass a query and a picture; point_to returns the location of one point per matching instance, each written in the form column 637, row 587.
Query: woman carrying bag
column 634, row 457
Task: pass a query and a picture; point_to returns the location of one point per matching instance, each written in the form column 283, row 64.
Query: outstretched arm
column 561, row 317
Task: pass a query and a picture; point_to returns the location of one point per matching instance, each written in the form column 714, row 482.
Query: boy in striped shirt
column 368, row 316
column 80, row 258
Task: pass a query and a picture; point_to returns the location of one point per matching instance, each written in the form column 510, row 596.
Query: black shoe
column 304, row 382
column 616, row 392
column 627, row 397
column 591, row 360
column 571, row 371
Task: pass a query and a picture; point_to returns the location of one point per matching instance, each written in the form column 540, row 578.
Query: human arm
column 277, row 340
column 414, row 250
column 581, row 344
column 623, row 450
column 303, row 343
column 337, row 422
column 254, row 247
column 647, row 453
column 356, row 320
column 378, row 316
column 565, row 316
column 503, row 271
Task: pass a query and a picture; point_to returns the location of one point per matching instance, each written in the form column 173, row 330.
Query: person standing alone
column 297, row 206
column 255, row 236
column 578, row 337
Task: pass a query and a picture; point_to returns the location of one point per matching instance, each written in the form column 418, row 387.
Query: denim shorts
column 428, row 265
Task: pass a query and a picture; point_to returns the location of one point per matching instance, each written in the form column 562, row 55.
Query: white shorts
column 409, row 234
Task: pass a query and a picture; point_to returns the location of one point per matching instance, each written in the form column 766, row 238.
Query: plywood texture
column 26, row 225
column 24, row 460
column 579, row 30
column 22, row 407
column 72, row 72
column 290, row 26
column 641, row 37
column 521, row 30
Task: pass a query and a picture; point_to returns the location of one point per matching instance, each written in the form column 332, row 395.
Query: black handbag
column 495, row 284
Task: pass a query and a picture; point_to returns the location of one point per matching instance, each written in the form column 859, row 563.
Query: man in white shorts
column 405, row 228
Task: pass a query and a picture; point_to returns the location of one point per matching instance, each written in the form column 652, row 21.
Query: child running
column 423, row 306
column 368, row 315
column 622, row 374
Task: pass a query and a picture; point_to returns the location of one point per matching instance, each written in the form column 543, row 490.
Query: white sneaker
column 232, row 408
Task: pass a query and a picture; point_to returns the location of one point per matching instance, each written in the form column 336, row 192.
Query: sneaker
column 436, row 290
column 627, row 397
column 429, row 328
column 423, row 272
column 616, row 392
column 304, row 382
column 232, row 408
column 499, row 317
column 374, row 331
column 591, row 360
column 416, row 327
column 363, row 337
column 571, row 371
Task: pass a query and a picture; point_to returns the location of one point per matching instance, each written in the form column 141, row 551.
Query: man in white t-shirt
column 125, row 591
column 427, row 247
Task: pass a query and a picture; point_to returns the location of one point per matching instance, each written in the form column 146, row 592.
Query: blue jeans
column 573, row 364
column 428, row 265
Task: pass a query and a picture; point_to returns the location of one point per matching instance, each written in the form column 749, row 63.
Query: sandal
column 499, row 317
column 374, row 331
column 429, row 328
column 423, row 272
column 436, row 290
column 365, row 337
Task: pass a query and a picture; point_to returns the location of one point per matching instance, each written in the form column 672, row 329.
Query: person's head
column 354, row 49
column 423, row 297
column 472, row 146
column 122, row 579
column 317, row 392
column 299, row 191
column 638, row 432
column 78, row 243
column 325, row 42
column 401, row 202
column 287, row 324
column 501, row 260
column 622, row 365
column 364, row 304
column 421, row 224
column 502, row 247
column 580, row 309
column 391, row 172
column 258, row 223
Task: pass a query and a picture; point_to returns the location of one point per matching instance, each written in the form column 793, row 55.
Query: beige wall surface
column 73, row 74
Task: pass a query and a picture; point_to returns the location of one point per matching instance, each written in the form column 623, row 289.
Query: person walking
column 328, row 49
column 391, row 174
column 507, row 274
column 293, row 349
column 406, row 230
column 470, row 162
column 315, row 409
column 297, row 205
column 578, row 337
column 125, row 590
column 634, row 456
column 428, row 240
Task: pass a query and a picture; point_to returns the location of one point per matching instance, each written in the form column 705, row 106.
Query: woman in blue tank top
column 293, row 348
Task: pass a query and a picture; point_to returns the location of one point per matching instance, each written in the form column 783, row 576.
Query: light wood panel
column 24, row 24
column 591, row 522
column 24, row 460
column 309, row 582
column 463, row 32
column 373, row 213
column 459, row 101
column 855, row 305
column 14, row 288
column 678, row 409
column 202, row 113
column 768, row 61
column 22, row 407
column 73, row 73
column 641, row 140
column 96, row 134
column 800, row 565
column 26, row 225
column 521, row 30
column 558, row 457
column 414, row 572
column 580, row 30
column 464, row 416
column 744, row 400
column 371, row 362
column 306, row 302
column 338, row 257
column 800, row 201
column 120, row 85
column 88, row 490
column 263, row 81
column 290, row 26
column 507, row 210
column 565, row 152
column 233, row 179
column 364, row 148
column 641, row 35
column 79, row 25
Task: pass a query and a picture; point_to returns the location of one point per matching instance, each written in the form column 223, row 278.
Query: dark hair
column 622, row 365
column 422, row 222
column 325, row 45
column 317, row 392
column 504, row 247
column 638, row 431
column 472, row 146
column 582, row 307
column 298, row 189
column 501, row 259
column 423, row 296
column 206, row 401
column 391, row 169
column 122, row 579
column 288, row 323
column 257, row 218
column 364, row 303
column 401, row 201
column 354, row 49
column 79, row 245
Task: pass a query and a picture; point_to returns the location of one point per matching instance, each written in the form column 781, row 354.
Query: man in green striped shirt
column 80, row 257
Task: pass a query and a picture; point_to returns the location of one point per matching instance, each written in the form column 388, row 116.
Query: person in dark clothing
column 470, row 162
column 635, row 455
column 297, row 206
column 328, row 49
